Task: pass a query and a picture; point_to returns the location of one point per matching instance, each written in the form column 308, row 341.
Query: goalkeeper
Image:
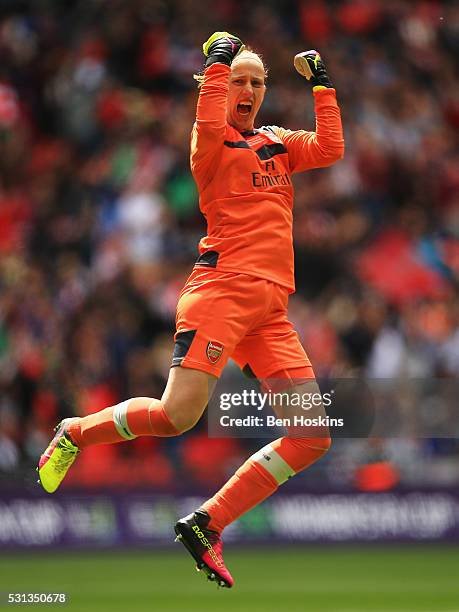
column 234, row 303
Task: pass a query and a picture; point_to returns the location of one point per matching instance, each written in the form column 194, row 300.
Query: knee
column 318, row 446
column 183, row 422
column 321, row 445
column 185, row 397
column 306, row 451
column 182, row 416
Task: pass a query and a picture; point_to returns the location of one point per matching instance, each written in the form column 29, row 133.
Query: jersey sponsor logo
column 214, row 351
column 270, row 180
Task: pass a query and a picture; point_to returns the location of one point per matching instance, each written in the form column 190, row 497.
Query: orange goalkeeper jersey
column 244, row 181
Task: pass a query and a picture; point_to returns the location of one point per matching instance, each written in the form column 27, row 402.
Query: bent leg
column 263, row 472
column 181, row 406
column 207, row 332
column 260, row 476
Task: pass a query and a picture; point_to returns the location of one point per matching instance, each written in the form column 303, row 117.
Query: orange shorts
column 223, row 314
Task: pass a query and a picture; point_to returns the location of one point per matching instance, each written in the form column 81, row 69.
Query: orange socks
column 140, row 416
column 260, row 476
column 250, row 485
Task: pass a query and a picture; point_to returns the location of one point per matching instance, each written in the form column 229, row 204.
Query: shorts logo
column 214, row 351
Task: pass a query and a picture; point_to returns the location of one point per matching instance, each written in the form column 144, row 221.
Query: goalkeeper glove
column 222, row 47
column 310, row 65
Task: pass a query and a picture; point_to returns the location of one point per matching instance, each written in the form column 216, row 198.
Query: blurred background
column 99, row 224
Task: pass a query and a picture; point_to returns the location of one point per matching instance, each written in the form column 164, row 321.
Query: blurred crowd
column 99, row 218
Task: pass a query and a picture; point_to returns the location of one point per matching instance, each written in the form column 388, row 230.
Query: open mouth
column 244, row 108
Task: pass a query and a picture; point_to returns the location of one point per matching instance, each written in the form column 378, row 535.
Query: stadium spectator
column 99, row 219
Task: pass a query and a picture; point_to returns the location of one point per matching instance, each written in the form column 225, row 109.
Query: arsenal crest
column 214, row 351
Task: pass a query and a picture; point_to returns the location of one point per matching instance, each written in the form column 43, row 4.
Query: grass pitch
column 306, row 579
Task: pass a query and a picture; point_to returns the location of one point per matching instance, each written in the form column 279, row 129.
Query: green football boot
column 57, row 458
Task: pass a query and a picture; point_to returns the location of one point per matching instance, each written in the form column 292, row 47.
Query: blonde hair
column 246, row 52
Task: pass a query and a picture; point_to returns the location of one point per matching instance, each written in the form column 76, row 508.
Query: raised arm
column 209, row 129
column 325, row 146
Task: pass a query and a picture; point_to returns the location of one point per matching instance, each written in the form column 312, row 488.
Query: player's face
column 246, row 92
